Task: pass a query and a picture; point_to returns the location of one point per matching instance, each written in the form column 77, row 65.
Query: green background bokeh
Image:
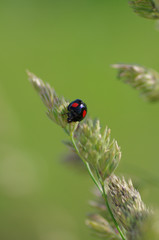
column 70, row 44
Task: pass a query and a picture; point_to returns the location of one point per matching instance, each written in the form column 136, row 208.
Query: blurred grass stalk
column 146, row 8
column 141, row 78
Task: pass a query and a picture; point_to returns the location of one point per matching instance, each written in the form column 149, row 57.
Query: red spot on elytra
column 74, row 105
column 84, row 113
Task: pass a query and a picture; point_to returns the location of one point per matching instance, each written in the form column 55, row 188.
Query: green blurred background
column 70, row 44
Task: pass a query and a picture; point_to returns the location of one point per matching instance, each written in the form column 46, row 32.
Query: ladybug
column 77, row 110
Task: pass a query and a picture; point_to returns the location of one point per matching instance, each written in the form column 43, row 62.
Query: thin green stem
column 98, row 186
column 110, row 211
column 86, row 163
column 92, row 176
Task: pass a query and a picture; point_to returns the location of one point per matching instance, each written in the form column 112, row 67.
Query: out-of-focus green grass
column 70, row 44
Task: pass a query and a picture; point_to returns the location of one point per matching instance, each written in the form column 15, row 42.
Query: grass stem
column 110, row 211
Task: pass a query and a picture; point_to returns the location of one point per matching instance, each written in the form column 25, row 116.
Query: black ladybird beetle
column 77, row 110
